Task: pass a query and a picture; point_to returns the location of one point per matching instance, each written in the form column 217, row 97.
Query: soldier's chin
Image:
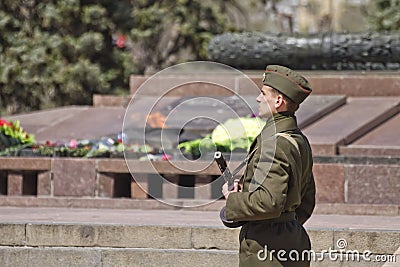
column 264, row 115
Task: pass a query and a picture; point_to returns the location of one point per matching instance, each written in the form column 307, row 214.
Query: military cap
column 288, row 82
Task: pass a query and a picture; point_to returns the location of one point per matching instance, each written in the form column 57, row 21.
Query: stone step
column 199, row 205
column 382, row 141
column 110, row 237
column 154, row 257
column 114, row 257
column 178, row 237
column 57, row 244
column 349, row 122
column 176, row 229
column 317, row 106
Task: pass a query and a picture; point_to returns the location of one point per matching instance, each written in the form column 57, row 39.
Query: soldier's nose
column 258, row 99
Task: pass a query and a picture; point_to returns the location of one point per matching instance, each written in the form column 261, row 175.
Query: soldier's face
column 266, row 102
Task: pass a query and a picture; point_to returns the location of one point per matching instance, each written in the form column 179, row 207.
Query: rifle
column 229, row 178
column 223, row 167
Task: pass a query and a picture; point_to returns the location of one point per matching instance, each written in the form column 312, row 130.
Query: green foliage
column 385, row 15
column 198, row 146
column 61, row 52
column 233, row 135
column 174, row 31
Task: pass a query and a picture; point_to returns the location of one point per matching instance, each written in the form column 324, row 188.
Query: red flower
column 73, row 144
column 166, row 157
column 121, row 41
column 4, row 122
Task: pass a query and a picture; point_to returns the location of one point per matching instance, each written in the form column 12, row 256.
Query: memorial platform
column 351, row 120
column 348, row 113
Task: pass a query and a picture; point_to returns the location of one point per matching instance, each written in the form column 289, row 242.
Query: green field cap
column 288, row 82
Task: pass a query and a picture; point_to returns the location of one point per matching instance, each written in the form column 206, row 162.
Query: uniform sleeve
column 307, row 205
column 271, row 176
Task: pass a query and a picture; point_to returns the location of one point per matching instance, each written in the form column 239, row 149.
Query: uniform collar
column 281, row 122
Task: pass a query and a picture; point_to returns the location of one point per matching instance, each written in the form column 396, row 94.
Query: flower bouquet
column 12, row 135
column 235, row 135
column 14, row 141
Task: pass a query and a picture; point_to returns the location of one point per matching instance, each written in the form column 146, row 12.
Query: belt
column 285, row 217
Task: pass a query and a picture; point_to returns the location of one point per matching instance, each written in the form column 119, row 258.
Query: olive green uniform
column 278, row 196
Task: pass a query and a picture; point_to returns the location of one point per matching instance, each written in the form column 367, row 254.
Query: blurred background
column 61, row 52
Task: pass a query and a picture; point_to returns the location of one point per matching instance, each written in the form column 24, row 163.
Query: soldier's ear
column 279, row 101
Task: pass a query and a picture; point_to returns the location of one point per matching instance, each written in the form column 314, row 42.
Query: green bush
column 384, row 15
column 61, row 52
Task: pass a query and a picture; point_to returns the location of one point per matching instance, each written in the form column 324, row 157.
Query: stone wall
column 351, row 84
column 346, row 181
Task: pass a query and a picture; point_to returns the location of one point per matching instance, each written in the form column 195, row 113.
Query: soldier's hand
column 226, row 192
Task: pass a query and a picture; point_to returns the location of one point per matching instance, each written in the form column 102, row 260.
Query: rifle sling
column 244, row 162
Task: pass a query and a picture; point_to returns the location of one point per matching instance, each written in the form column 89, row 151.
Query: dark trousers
column 265, row 243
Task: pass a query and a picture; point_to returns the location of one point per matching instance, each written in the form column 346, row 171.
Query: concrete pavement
column 178, row 218
column 32, row 236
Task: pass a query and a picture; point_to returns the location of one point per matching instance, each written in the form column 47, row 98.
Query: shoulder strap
column 290, row 139
column 244, row 162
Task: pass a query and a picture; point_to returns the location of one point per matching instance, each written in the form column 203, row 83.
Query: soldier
column 276, row 194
